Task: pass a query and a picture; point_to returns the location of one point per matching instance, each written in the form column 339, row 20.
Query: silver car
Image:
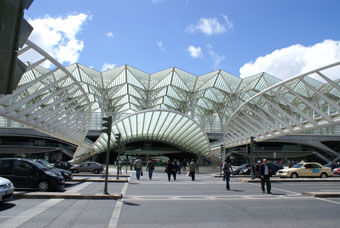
column 6, row 189
column 87, row 167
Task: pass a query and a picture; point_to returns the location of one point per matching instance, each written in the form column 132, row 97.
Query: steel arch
column 49, row 100
column 296, row 105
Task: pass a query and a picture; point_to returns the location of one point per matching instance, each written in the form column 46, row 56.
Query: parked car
column 25, row 173
column 306, row 169
column 62, row 165
column 332, row 165
column 66, row 174
column 241, row 170
column 6, row 189
column 87, row 167
column 336, row 171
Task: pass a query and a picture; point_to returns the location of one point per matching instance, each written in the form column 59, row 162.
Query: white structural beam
column 297, row 104
column 49, row 100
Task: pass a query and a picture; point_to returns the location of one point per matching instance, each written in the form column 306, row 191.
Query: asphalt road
column 183, row 203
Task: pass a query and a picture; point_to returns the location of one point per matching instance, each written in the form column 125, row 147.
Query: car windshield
column 39, row 165
column 298, row 165
column 45, row 163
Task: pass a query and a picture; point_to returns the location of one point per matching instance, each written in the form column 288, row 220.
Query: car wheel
column 294, row 175
column 43, row 186
column 323, row 175
column 96, row 171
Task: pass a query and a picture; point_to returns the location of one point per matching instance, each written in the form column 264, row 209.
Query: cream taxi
column 306, row 169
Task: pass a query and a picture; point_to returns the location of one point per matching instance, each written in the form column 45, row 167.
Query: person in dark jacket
column 265, row 174
column 169, row 169
column 175, row 168
column 150, row 167
column 227, row 170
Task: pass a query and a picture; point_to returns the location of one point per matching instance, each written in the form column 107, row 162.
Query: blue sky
column 242, row 37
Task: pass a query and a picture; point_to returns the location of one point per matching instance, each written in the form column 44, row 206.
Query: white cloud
column 109, row 34
column 195, row 52
column 108, row 66
column 160, row 45
column 296, row 59
column 217, row 58
column 210, row 26
column 57, row 36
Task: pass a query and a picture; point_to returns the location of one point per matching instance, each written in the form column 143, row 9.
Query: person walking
column 169, row 169
column 257, row 169
column 174, row 169
column 138, row 166
column 265, row 176
column 150, row 167
column 179, row 169
column 184, row 165
column 227, row 170
column 192, row 169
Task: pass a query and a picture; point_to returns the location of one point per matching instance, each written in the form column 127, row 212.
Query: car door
column 24, row 174
column 89, row 167
column 316, row 170
column 82, row 167
column 308, row 171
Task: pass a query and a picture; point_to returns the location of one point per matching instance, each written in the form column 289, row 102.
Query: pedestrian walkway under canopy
column 160, row 125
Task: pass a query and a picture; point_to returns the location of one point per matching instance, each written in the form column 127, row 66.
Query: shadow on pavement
column 5, row 206
column 130, row 204
column 236, row 190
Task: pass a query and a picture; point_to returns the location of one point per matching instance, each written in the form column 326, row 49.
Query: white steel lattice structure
column 300, row 104
column 209, row 99
column 161, row 125
column 49, row 100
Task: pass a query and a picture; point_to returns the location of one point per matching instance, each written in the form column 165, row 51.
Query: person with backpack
column 150, row 167
column 227, row 170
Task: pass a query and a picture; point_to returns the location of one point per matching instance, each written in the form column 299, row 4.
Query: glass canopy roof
column 166, row 126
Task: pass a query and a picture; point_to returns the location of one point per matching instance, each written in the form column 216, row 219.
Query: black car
column 66, row 174
column 30, row 174
column 62, row 165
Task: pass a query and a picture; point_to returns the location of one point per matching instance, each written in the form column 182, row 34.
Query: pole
column 107, row 164
column 118, row 159
column 222, row 149
column 252, row 148
column 126, row 163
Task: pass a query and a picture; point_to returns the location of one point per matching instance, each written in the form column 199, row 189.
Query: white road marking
column 327, row 200
column 116, row 211
column 27, row 215
column 38, row 209
column 78, row 187
column 296, row 193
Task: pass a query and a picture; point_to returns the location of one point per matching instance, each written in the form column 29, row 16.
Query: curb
column 290, row 180
column 322, row 194
column 99, row 175
column 53, row 195
column 221, row 176
column 100, row 180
